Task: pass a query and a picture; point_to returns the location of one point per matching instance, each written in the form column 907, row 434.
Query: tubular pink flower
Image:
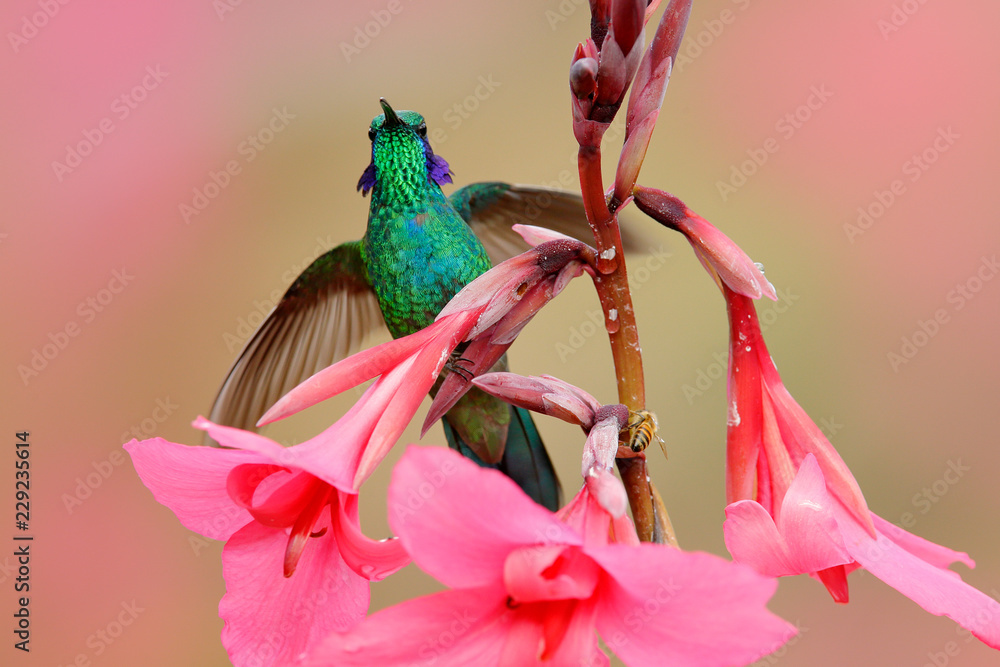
column 296, row 564
column 602, row 423
column 795, row 508
column 724, row 260
column 545, row 394
column 507, row 297
column 529, row 587
column 407, row 368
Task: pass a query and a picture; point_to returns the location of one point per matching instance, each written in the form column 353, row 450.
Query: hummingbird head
column 400, row 151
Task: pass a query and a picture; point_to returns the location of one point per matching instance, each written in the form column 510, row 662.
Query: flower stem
column 611, row 282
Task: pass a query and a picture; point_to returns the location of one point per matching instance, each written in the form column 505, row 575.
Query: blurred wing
column 322, row 318
column 491, row 209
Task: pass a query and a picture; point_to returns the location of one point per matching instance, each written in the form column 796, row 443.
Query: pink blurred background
column 101, row 248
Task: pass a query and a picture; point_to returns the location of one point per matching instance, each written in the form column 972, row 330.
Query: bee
column 642, row 429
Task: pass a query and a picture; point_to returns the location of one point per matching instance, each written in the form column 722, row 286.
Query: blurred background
column 850, row 147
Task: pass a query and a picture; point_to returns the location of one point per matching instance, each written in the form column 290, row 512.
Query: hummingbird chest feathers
column 418, row 258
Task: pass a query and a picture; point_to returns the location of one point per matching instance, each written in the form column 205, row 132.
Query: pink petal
column 602, row 445
column 608, row 491
column 805, row 437
column 585, row 516
column 807, row 521
column 533, row 235
column 667, row 612
column 935, row 554
column 502, row 280
column 412, row 379
column 372, row 559
column 549, row 572
column 543, row 394
column 492, row 295
column 246, row 478
column 270, row 619
column 939, row 591
column 560, row 632
column 521, row 313
column 579, row 642
column 357, row 368
column 284, row 504
column 807, row 538
column 345, row 437
column 459, row 521
column 716, row 251
column 191, row 481
column 448, row 629
column 632, row 155
column 237, row 438
column 735, row 268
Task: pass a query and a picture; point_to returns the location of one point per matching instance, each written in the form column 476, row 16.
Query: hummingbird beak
column 391, row 119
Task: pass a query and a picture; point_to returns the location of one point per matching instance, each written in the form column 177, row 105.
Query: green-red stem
column 611, row 282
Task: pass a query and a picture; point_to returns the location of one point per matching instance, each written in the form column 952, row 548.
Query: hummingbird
column 419, row 249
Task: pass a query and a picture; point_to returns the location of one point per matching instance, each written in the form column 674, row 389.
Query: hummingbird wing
column 322, row 318
column 491, row 208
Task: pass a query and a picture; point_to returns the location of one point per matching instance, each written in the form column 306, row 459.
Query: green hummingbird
column 419, row 249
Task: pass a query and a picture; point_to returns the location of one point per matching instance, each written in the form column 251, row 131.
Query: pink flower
column 407, row 368
column 295, row 562
column 722, row 258
column 795, row 507
column 602, row 424
column 530, row 587
column 507, row 296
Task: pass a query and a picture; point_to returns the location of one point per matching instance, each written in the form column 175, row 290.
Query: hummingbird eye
column 371, row 133
column 422, row 129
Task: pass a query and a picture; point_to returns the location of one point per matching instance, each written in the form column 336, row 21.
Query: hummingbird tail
column 525, row 459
